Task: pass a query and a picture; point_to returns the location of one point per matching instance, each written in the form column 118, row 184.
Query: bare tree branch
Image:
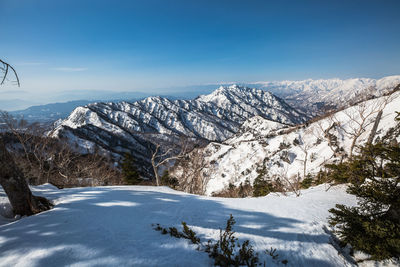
column 5, row 70
column 158, row 160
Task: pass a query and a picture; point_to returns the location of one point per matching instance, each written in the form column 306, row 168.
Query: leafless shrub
column 43, row 159
column 243, row 190
column 360, row 117
column 193, row 179
column 171, row 151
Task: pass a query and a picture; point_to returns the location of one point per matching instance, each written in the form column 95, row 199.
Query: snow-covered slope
column 112, row 226
column 127, row 126
column 314, row 94
column 283, row 150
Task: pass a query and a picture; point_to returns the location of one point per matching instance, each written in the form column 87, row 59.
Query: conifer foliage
column 129, row 170
column 227, row 251
column 374, row 225
column 262, row 185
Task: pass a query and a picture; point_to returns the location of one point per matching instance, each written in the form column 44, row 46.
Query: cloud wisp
column 70, row 69
column 30, row 63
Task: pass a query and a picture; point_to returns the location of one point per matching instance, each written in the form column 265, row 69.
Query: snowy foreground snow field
column 112, row 226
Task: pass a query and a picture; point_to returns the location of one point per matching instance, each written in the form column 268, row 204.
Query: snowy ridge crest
column 292, row 151
column 311, row 95
column 124, row 126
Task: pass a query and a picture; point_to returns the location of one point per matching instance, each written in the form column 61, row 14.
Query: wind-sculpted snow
column 283, row 150
column 127, row 126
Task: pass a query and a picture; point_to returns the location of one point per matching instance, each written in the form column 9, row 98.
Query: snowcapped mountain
column 124, row 126
column 292, row 151
column 313, row 95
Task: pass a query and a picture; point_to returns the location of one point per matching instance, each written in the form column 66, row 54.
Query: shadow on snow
column 112, row 226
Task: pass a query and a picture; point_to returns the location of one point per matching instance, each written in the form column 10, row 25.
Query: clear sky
column 149, row 44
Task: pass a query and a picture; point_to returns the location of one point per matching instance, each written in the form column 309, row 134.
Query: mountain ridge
column 136, row 127
column 288, row 152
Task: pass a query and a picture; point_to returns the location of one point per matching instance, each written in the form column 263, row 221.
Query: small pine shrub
column 374, row 225
column 167, row 180
column 272, row 253
column 247, row 255
column 262, row 185
column 245, row 190
column 227, row 251
column 321, row 177
column 307, row 182
column 129, row 170
column 190, row 234
column 174, row 232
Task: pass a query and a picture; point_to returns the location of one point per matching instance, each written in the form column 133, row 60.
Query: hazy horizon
column 19, row 99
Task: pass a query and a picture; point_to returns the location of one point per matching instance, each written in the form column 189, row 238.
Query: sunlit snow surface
column 258, row 142
column 112, row 226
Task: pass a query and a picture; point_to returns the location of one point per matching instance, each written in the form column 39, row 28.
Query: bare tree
column 360, row 117
column 19, row 129
column 45, row 159
column 193, row 178
column 6, row 69
column 12, row 180
column 160, row 158
column 304, row 148
column 319, row 131
column 292, row 183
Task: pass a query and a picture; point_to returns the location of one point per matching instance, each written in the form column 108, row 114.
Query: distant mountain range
column 134, row 126
column 310, row 96
column 15, row 104
column 315, row 96
column 49, row 112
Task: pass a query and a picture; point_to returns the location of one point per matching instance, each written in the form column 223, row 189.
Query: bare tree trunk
column 375, row 127
column 155, row 169
column 158, row 160
column 305, row 164
column 16, row 187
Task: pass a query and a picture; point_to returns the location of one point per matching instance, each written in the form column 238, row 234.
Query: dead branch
column 5, row 69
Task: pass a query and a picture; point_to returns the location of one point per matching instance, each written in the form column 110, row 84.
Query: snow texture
column 112, row 226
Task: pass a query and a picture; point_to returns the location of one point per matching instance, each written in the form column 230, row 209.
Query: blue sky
column 149, row 45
